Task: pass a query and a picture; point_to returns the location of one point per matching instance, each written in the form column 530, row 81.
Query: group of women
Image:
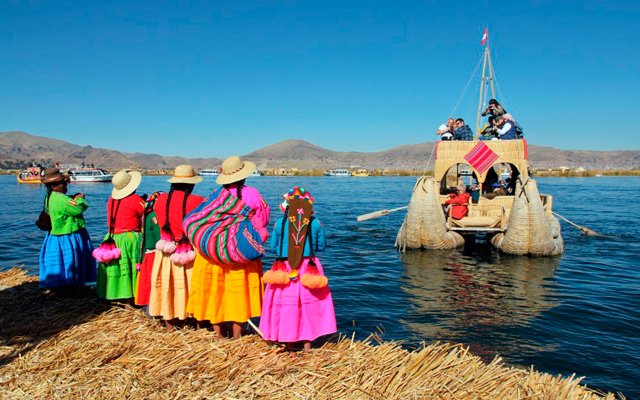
column 186, row 257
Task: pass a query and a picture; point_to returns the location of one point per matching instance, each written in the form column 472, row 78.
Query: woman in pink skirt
column 297, row 303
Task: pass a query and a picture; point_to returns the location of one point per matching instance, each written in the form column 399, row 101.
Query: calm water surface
column 578, row 313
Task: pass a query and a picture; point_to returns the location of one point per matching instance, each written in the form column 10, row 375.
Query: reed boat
column 30, row 175
column 517, row 219
column 520, row 222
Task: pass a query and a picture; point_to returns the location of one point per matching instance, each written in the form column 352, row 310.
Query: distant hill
column 18, row 148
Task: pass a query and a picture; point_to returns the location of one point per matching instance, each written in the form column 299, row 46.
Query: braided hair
column 285, row 218
column 186, row 188
column 239, row 186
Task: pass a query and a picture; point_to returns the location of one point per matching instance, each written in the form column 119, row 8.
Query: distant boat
column 361, row 172
column 208, row 172
column 31, row 175
column 256, row 173
column 90, row 175
column 338, row 172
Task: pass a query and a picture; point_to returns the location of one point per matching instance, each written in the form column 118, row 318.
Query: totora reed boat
column 504, row 205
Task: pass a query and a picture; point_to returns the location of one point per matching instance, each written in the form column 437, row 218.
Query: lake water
column 579, row 313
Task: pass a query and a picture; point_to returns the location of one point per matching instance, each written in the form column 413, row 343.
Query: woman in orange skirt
column 173, row 259
column 231, row 292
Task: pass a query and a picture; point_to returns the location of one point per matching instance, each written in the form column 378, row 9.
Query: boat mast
column 484, row 80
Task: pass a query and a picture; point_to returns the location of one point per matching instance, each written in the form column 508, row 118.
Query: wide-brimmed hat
column 185, row 174
column 125, row 183
column 53, row 175
column 233, row 169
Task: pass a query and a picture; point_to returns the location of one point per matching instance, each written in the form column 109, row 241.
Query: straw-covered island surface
column 79, row 348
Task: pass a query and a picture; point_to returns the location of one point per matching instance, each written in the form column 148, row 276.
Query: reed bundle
column 77, row 348
column 424, row 225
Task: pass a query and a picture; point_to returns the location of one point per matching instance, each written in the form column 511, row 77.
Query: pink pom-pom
column 160, row 244
column 169, row 247
column 175, row 258
column 97, row 254
column 138, row 267
column 116, row 253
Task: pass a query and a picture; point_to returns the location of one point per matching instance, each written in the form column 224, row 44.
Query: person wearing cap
column 117, row 277
column 505, row 129
column 65, row 258
column 231, row 292
column 496, row 110
column 170, row 276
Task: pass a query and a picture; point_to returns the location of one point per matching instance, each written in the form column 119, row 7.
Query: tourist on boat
column 498, row 190
column 446, row 130
column 226, row 286
column 463, row 132
column 120, row 251
column 150, row 236
column 496, row 110
column 65, row 259
column 174, row 255
column 458, row 203
column 506, row 130
column 298, row 306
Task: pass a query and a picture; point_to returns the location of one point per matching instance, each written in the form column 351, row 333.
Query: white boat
column 208, row 172
column 256, row 173
column 338, row 172
column 85, row 175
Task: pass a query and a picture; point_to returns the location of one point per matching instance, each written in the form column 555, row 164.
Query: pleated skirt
column 67, row 260
column 143, row 287
column 293, row 312
column 117, row 278
column 227, row 292
column 170, row 284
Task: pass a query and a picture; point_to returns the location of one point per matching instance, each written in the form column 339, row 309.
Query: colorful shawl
column 221, row 230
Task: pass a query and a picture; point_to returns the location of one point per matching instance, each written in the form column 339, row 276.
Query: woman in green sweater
column 65, row 259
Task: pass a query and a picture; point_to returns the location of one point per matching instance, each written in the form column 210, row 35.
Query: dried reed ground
column 78, row 348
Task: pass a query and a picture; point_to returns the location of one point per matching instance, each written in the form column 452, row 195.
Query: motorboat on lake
column 89, row 175
column 338, row 172
column 209, row 172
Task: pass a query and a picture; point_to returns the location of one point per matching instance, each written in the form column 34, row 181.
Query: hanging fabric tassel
column 107, row 251
column 184, row 252
column 312, row 279
column 278, row 275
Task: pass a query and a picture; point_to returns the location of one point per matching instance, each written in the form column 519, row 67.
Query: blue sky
column 202, row 79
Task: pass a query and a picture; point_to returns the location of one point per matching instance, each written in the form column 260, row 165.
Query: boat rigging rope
column 424, row 173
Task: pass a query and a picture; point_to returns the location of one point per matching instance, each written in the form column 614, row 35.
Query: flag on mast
column 485, row 37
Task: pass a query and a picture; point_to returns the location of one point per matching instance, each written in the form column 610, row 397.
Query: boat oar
column 378, row 214
column 583, row 229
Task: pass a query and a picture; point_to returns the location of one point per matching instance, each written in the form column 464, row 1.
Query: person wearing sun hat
column 120, row 251
column 297, row 306
column 231, row 292
column 65, row 258
column 174, row 255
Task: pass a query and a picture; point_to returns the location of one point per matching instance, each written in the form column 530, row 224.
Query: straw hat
column 233, row 169
column 53, row 175
column 125, row 183
column 185, row 174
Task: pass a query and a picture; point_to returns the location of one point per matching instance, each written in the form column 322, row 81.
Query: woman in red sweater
column 459, row 202
column 173, row 261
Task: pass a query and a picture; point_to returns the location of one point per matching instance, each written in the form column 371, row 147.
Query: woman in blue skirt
column 65, row 260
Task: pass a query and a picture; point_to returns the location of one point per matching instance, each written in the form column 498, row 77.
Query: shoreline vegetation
column 554, row 172
column 82, row 348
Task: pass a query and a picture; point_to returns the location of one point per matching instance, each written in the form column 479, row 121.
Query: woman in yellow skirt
column 173, row 259
column 231, row 292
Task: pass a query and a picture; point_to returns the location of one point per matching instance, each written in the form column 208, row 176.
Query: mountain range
column 19, row 148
